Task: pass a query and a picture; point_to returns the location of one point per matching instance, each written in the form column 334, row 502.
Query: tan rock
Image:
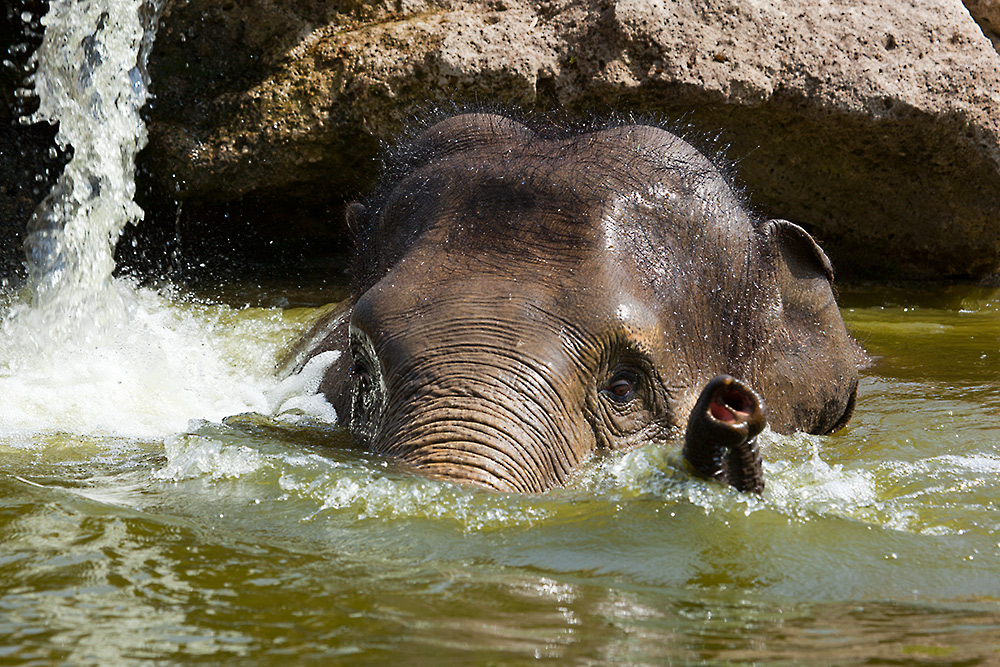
column 987, row 15
column 876, row 125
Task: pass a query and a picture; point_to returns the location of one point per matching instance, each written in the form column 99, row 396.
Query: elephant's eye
column 621, row 387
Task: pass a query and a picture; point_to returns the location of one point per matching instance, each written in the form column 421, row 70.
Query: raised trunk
column 721, row 437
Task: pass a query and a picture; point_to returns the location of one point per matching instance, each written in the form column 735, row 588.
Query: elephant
column 526, row 296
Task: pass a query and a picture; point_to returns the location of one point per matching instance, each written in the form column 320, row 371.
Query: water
column 165, row 498
column 90, row 79
column 267, row 537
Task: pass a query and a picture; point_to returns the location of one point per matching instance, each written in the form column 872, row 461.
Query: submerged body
column 522, row 301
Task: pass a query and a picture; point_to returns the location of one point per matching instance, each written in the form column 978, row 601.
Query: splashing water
column 80, row 350
column 90, row 78
column 262, row 538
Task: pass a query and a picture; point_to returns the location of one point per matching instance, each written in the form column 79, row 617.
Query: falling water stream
column 165, row 499
column 83, row 350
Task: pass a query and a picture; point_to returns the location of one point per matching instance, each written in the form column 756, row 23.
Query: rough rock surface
column 876, row 125
column 987, row 15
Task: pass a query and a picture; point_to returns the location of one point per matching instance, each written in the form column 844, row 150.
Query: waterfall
column 82, row 351
column 90, row 78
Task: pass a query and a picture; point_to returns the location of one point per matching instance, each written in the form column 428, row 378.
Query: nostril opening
column 722, row 413
column 737, row 401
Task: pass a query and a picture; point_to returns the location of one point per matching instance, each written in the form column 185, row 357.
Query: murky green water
column 265, row 538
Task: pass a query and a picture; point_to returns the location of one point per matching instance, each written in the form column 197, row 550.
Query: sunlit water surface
column 164, row 498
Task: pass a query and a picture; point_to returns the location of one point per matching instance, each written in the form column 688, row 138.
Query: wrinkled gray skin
column 522, row 302
column 721, row 438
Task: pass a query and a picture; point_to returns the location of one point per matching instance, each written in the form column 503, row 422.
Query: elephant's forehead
column 580, row 212
column 551, row 310
column 613, row 229
column 588, row 171
column 600, row 267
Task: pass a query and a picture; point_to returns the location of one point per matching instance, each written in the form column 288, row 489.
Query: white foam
column 817, row 487
column 81, row 352
column 978, row 463
column 218, row 453
column 190, row 456
column 147, row 376
column 298, row 394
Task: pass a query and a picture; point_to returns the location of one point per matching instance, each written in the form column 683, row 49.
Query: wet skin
column 522, row 301
column 721, row 437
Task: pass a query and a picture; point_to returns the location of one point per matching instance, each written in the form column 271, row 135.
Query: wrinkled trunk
column 468, row 386
column 474, row 425
column 472, row 408
column 481, row 441
column 721, row 437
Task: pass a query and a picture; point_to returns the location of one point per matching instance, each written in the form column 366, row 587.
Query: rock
column 875, row 125
column 987, row 15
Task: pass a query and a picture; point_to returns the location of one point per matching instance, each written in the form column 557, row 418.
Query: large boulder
column 987, row 15
column 875, row 125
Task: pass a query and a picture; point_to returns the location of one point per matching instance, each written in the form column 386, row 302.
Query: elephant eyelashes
column 621, row 388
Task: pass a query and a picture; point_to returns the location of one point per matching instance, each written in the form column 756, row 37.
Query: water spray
column 90, row 78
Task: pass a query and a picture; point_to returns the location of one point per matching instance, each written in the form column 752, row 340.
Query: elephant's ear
column 805, row 273
column 354, row 217
column 814, row 358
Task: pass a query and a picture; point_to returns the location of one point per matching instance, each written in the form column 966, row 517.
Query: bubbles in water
column 253, row 455
column 801, row 485
column 809, row 486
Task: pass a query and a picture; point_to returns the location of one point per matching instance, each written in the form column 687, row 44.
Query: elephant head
column 522, row 300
